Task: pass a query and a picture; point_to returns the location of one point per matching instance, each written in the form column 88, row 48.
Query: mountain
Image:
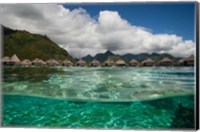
column 88, row 58
column 142, row 56
column 30, row 46
column 108, row 53
column 103, row 56
column 100, row 57
column 128, row 57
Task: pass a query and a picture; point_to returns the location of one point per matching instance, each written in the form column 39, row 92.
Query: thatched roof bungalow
column 43, row 63
column 52, row 62
column 120, row 63
column 181, row 61
column 6, row 61
column 133, row 62
column 38, row 62
column 26, row 62
column 109, row 62
column 189, row 61
column 67, row 63
column 15, row 60
column 165, row 62
column 81, row 63
column 148, row 62
column 95, row 63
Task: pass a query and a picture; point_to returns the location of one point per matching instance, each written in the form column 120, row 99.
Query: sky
column 84, row 29
column 158, row 17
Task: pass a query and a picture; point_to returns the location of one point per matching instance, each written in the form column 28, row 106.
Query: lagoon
column 101, row 97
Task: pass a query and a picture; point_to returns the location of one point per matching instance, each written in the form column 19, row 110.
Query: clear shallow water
column 105, row 84
column 123, row 98
column 29, row 111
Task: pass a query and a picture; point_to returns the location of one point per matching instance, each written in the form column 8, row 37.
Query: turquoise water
column 122, row 98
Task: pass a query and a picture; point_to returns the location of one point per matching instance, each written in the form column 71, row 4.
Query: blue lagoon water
column 114, row 97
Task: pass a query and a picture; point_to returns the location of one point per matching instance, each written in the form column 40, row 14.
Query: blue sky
column 170, row 18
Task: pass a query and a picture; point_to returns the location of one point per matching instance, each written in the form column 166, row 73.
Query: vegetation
column 30, row 46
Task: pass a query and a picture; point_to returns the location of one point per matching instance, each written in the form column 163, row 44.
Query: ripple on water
column 106, row 84
column 98, row 98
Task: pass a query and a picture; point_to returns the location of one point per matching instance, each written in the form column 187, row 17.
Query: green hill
column 30, row 46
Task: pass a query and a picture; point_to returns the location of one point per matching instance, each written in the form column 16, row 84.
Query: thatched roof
column 15, row 59
column 149, row 60
column 95, row 63
column 5, row 59
column 165, row 62
column 166, row 59
column 43, row 62
column 26, row 62
column 190, row 58
column 181, row 60
column 189, row 61
column 120, row 62
column 36, row 60
column 81, row 63
column 67, row 63
column 109, row 62
column 133, row 62
column 49, row 61
column 39, row 61
column 52, row 62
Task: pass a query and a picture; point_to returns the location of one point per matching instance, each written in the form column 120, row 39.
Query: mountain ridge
column 128, row 57
column 27, row 45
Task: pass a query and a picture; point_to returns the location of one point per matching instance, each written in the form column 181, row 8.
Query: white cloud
column 80, row 34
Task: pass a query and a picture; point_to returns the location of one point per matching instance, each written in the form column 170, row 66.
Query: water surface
column 122, row 98
column 105, row 84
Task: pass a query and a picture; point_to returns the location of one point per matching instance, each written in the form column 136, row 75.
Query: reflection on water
column 125, row 98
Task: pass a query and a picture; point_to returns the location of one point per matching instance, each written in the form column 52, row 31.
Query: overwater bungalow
column 120, row 63
column 26, row 62
column 180, row 62
column 15, row 60
column 81, row 63
column 38, row 62
column 6, row 61
column 109, row 62
column 133, row 62
column 43, row 63
column 52, row 62
column 148, row 62
column 95, row 63
column 189, row 61
column 66, row 63
column 165, row 62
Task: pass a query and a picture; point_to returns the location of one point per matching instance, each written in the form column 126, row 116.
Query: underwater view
column 99, row 97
